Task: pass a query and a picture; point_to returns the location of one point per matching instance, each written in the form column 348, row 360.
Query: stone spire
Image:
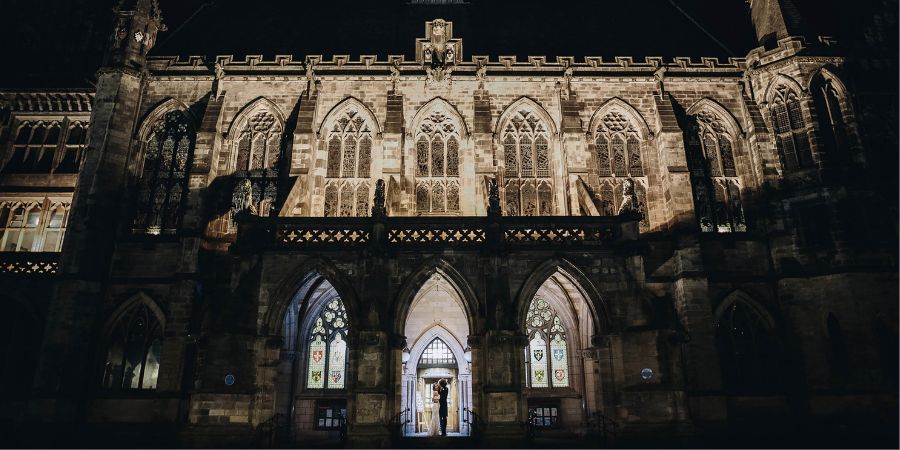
column 774, row 20
column 137, row 22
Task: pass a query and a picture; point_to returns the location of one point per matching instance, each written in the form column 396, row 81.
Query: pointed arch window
column 526, row 146
column 34, row 148
column 327, row 348
column 168, row 155
column 437, row 354
column 76, row 142
column 717, row 188
column 349, row 164
column 617, row 148
column 547, row 355
column 258, row 149
column 832, row 126
column 790, row 131
column 133, row 351
column 437, row 165
column 747, row 349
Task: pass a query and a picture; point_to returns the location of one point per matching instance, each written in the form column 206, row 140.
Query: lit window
column 547, row 355
column 134, row 349
column 437, row 354
column 330, row 414
column 437, row 165
column 348, row 165
column 327, row 363
column 526, row 146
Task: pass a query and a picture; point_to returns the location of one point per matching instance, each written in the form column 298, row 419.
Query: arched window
column 437, row 354
column 348, row 165
column 20, row 222
column 547, row 355
column 790, row 131
column 617, row 147
column 717, row 188
column 327, row 348
column 34, row 149
column 258, row 153
column 437, row 164
column 832, row 126
column 168, row 155
column 526, row 147
column 747, row 350
column 74, row 149
column 133, row 351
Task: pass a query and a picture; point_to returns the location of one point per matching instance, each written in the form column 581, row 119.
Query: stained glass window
column 547, row 357
column 133, row 351
column 618, row 150
column 437, row 157
column 331, row 200
column 545, row 199
column 258, row 149
column 634, row 157
column 526, row 150
column 512, row 159
column 334, row 157
column 543, row 159
column 423, row 203
column 168, row 154
column 452, row 157
column 603, row 156
column 422, row 157
column 512, row 198
column 349, row 166
column 349, row 157
column 365, row 157
column 327, row 359
column 453, row 196
column 362, row 200
column 347, row 200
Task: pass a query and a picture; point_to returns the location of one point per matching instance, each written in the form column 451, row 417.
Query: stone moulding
column 55, row 101
column 540, row 64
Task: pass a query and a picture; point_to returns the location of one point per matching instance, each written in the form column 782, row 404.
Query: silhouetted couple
column 439, row 400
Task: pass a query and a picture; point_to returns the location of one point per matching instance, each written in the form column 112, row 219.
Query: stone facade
column 698, row 226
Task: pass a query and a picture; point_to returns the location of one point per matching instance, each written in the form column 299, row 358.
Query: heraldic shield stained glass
column 547, row 360
column 328, row 348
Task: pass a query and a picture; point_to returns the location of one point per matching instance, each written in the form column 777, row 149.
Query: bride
column 434, row 428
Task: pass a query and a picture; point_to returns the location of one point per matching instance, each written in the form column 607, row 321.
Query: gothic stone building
column 293, row 251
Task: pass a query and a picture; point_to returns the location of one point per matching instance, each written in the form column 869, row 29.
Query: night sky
column 59, row 43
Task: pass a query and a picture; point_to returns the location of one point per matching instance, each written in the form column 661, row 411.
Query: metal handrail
column 474, row 420
column 271, row 432
column 606, row 427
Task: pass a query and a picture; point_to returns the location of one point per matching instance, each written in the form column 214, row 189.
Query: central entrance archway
column 437, row 331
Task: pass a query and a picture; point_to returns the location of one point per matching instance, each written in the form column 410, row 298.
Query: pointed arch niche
column 437, row 331
column 557, row 321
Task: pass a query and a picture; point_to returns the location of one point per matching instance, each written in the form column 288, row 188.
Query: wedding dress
column 434, row 428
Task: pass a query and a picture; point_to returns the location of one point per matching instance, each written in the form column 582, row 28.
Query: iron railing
column 476, row 424
column 606, row 428
column 397, row 423
column 275, row 432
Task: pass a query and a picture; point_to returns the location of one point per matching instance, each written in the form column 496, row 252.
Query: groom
column 442, row 412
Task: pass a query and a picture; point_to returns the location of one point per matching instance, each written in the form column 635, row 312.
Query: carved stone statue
column 220, row 75
column 481, row 74
column 311, row 77
column 395, row 75
column 378, row 208
column 245, row 202
column 629, row 198
column 567, row 81
column 493, row 197
column 660, row 75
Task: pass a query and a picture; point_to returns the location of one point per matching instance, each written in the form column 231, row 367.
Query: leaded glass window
column 618, row 143
column 547, row 355
column 526, row 147
column 163, row 187
column 437, row 165
column 748, row 350
column 258, row 149
column 437, row 353
column 790, row 131
column 327, row 359
column 349, row 164
column 717, row 191
column 133, row 351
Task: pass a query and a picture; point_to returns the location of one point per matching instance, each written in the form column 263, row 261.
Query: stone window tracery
column 547, row 354
column 327, row 348
column 437, row 165
column 832, row 125
column 30, row 227
column 34, row 148
column 747, row 350
column 526, row 147
column 258, row 149
column 617, row 146
column 790, row 131
column 168, row 155
column 133, row 351
column 717, row 188
column 348, row 165
column 437, row 353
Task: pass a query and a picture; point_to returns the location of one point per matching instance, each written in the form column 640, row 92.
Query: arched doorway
column 437, row 331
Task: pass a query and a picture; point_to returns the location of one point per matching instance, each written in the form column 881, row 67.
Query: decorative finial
column 378, row 208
